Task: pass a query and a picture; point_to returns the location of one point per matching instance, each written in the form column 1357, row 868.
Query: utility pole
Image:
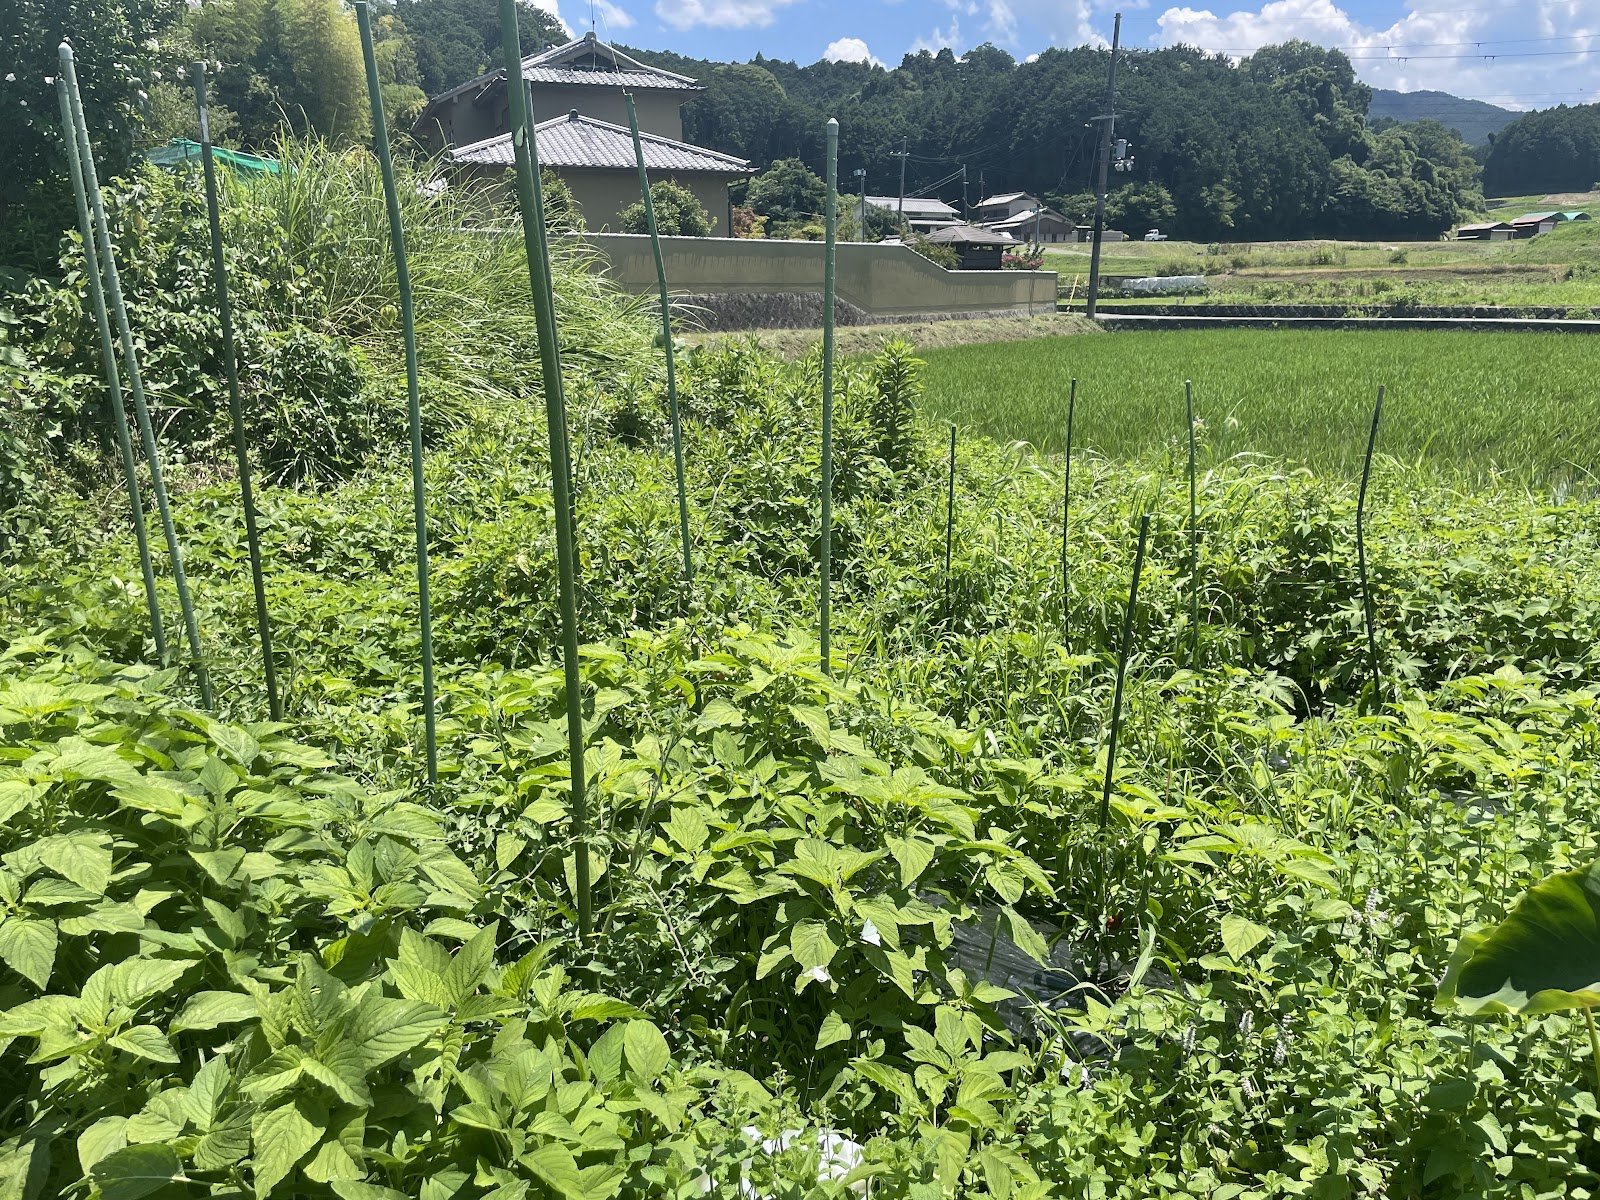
column 902, row 154
column 966, row 209
column 861, row 174
column 1110, row 120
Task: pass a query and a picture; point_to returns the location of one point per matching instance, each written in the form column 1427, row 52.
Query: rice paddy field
column 1460, row 404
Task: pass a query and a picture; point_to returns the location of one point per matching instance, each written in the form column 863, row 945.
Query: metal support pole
column 130, row 360
column 830, row 225
column 108, row 356
column 1066, row 522
column 1194, row 535
column 419, row 500
column 666, row 341
column 530, row 201
column 1105, row 166
column 950, row 518
column 1361, row 550
column 1123, row 653
column 903, row 154
column 219, row 270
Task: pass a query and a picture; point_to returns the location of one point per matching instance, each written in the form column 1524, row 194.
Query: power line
column 1396, row 46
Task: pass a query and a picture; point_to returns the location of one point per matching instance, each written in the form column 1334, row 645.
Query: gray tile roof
column 582, row 60
column 578, row 141
column 920, row 205
column 968, row 235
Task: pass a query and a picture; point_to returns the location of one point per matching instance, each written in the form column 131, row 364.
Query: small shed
column 980, row 249
column 1575, row 216
column 1531, row 224
column 1487, row 231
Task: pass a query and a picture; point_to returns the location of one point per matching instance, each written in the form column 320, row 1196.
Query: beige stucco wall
column 602, row 195
column 884, row 281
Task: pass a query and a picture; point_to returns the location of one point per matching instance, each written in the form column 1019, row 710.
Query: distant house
column 1488, row 231
column 1003, row 206
column 923, row 213
column 587, row 80
column 980, row 249
column 1036, row 225
column 1532, row 224
column 595, row 160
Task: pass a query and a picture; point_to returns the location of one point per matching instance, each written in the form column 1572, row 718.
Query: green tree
column 1553, row 150
column 1136, row 207
column 787, row 192
column 317, row 53
column 458, row 40
column 118, row 46
column 679, row 212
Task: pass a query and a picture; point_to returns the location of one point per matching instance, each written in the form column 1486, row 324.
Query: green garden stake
column 108, row 355
column 1116, row 715
column 419, row 498
column 950, row 518
column 666, row 341
column 530, row 200
column 830, row 231
column 1361, row 550
column 1066, row 517
column 1194, row 538
column 119, row 309
column 219, row 270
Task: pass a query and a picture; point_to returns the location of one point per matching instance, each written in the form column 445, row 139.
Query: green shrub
column 679, row 212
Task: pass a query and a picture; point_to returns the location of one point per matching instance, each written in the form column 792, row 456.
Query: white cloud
column 941, row 39
column 721, row 14
column 613, row 16
column 1408, row 55
column 849, row 49
column 1002, row 23
column 551, row 7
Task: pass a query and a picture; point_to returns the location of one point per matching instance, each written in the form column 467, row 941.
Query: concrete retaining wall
column 743, row 283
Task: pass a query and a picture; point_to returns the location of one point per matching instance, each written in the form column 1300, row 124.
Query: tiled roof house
column 582, row 129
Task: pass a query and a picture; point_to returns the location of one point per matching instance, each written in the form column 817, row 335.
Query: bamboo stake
column 108, row 356
column 950, row 518
column 530, row 198
column 402, row 271
column 1361, row 550
column 113, row 291
column 219, row 270
column 1116, row 715
column 666, row 341
column 830, row 225
column 1194, row 537
column 1066, row 516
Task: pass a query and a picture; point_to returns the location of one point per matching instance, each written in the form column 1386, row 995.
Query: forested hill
column 1278, row 145
column 1474, row 120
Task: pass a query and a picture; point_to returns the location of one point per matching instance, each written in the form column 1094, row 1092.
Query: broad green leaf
column 645, row 1049
column 913, row 855
column 207, row 1010
column 136, row 1171
column 555, row 1165
column 811, row 945
column 28, row 947
column 718, row 713
column 104, row 1137
column 1240, row 936
column 351, row 1189
column 1544, row 957
column 834, row 1029
column 281, row 1137
column 591, row 1006
column 83, row 857
column 384, row 1028
column 147, row 1042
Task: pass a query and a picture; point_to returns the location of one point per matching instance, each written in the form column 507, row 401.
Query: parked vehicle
column 1155, row 235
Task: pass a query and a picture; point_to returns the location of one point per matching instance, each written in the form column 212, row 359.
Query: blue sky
column 1515, row 53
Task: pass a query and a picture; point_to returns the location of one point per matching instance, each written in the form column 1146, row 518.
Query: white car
column 1155, row 235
